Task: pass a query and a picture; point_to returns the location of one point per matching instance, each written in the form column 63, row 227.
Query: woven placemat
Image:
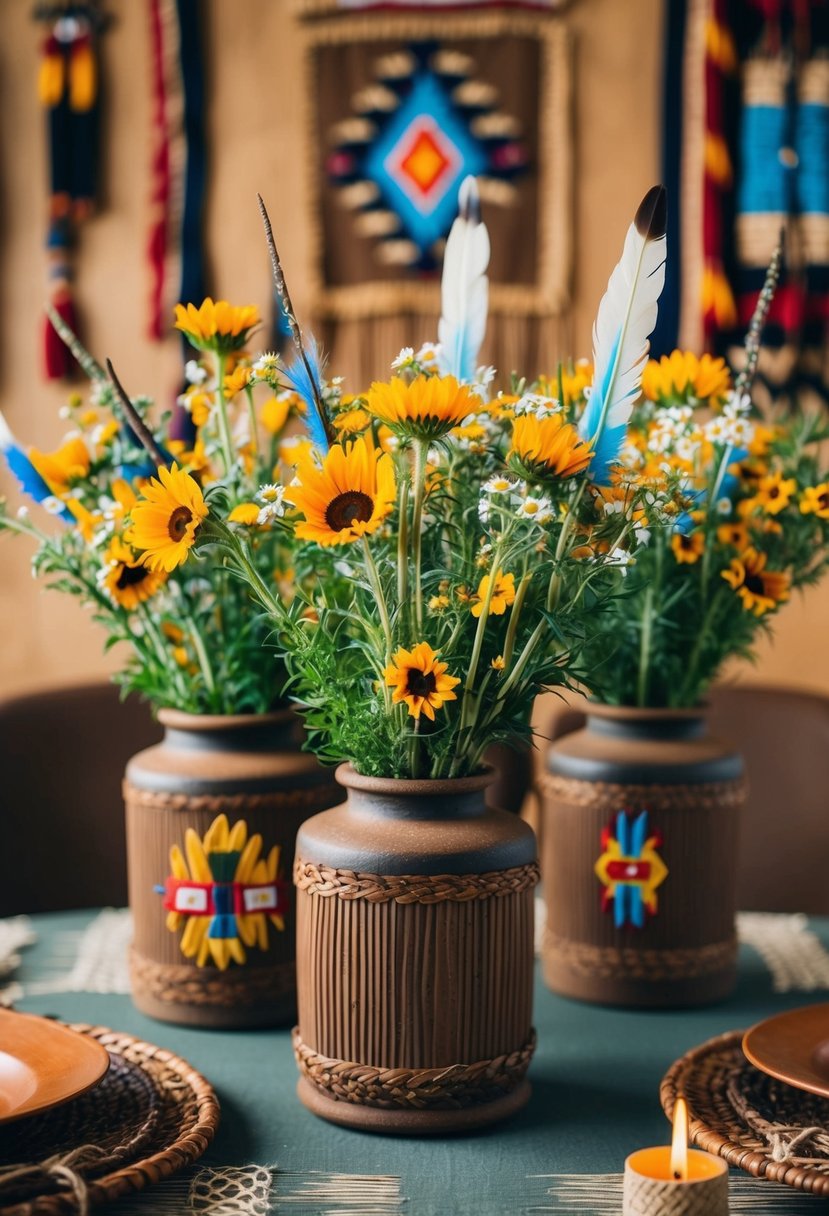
column 151, row 1115
column 755, row 1122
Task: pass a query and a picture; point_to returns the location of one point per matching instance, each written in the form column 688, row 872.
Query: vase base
column 186, row 995
column 391, row 1122
column 631, row 993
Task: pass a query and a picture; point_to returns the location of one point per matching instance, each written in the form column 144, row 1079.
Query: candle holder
column 650, row 1188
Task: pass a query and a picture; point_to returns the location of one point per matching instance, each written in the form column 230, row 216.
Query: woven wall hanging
column 69, row 90
column 403, row 106
column 753, row 134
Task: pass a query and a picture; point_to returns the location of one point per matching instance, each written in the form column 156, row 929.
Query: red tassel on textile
column 58, row 360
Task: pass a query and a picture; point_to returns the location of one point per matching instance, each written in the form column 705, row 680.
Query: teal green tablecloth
column 595, row 1079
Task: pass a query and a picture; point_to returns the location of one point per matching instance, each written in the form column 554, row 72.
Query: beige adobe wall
column 256, row 142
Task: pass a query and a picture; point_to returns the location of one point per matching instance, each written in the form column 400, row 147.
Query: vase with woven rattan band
column 639, row 853
column 212, row 816
column 414, row 907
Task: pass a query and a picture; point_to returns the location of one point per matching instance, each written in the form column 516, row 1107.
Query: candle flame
column 679, row 1143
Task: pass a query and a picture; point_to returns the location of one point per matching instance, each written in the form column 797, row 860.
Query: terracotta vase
column 214, row 937
column 414, row 913
column 639, row 857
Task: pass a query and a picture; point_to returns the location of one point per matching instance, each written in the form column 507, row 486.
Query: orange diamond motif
column 424, row 162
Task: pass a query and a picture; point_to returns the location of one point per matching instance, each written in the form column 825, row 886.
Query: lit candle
column 675, row 1180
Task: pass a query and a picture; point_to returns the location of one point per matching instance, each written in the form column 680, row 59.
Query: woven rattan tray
column 755, row 1122
column 151, row 1115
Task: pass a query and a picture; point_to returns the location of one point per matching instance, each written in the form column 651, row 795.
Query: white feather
column 624, row 323
column 7, row 439
column 464, row 287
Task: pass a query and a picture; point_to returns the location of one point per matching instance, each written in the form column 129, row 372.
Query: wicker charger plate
column 151, row 1115
column 755, row 1122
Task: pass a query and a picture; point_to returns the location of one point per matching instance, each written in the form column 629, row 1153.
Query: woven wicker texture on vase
column 150, row 1116
column 753, row 1121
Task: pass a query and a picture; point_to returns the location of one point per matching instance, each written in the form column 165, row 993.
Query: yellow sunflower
column 572, row 382
column 245, row 513
column 774, row 492
column 547, row 448
column 352, row 422
column 683, row 377
column 347, row 498
column 219, row 327
column 759, row 589
column 815, row 501
column 503, row 594
column 236, row 380
column 166, row 518
column 735, row 535
column 427, row 407
column 419, row 680
column 127, row 580
column 688, row 547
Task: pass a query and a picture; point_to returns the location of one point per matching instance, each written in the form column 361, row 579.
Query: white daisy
column 404, row 359
column 498, row 484
column 271, row 495
column 194, row 373
column 52, row 504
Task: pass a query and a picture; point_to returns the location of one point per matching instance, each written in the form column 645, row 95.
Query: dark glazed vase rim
column 643, row 713
column 179, row 719
column 424, row 787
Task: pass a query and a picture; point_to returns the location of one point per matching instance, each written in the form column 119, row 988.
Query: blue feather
column 28, row 478
column 309, row 388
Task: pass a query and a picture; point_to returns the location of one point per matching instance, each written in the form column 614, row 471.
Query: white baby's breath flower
column 271, row 495
column 267, row 364
column 52, row 504
column 535, row 403
column 498, row 484
column 620, row 557
column 404, row 359
column 194, row 373
column 723, row 506
column 64, row 412
column 22, row 513
column 484, row 509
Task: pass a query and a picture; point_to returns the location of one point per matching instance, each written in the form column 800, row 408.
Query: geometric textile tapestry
column 404, row 106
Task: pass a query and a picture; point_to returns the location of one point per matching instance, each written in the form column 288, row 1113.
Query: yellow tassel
column 717, row 159
column 50, row 80
column 83, row 79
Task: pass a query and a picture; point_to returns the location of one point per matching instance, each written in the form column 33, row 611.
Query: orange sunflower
column 545, row 449
column 347, row 498
column 127, row 580
column 760, row 589
column 165, row 520
column 419, row 680
column 427, row 407
column 220, row 327
column 688, row 547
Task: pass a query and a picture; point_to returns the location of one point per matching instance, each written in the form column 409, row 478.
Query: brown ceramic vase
column 236, row 906
column 639, row 855
column 414, row 906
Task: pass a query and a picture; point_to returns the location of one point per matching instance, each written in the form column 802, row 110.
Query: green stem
column 377, row 587
column 224, row 424
column 515, row 613
column 403, row 548
column 201, row 655
column 254, row 432
column 477, row 646
column 419, row 477
column 645, row 649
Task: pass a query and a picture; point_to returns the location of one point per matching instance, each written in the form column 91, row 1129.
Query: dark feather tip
column 469, row 201
column 651, row 219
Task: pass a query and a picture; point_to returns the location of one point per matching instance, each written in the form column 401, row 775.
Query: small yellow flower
column 688, row 547
column 173, row 633
column 347, row 498
column 198, row 404
column 294, row 450
column 87, row 521
column 166, row 518
column 218, row 327
column 236, row 380
column 548, row 448
column 427, row 407
column 419, row 680
column 498, row 663
column 438, row 602
column 245, row 513
column 735, row 535
column 572, row 382
column 352, row 422
column 128, row 581
column 774, row 492
column 760, row 589
column 275, row 413
column 503, row 594
column 815, row 501
column 88, row 419
column 62, row 468
column 107, row 433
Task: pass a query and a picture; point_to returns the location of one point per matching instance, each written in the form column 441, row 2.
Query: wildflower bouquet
column 736, row 511
column 449, row 554
column 194, row 637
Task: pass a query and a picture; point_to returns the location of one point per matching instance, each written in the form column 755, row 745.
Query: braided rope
column 412, row 888
column 613, row 962
column 711, row 795
column 314, row 796
column 450, row 1088
column 180, row 984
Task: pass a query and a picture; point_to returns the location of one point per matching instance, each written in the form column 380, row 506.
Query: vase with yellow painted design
column 639, row 823
column 212, row 816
